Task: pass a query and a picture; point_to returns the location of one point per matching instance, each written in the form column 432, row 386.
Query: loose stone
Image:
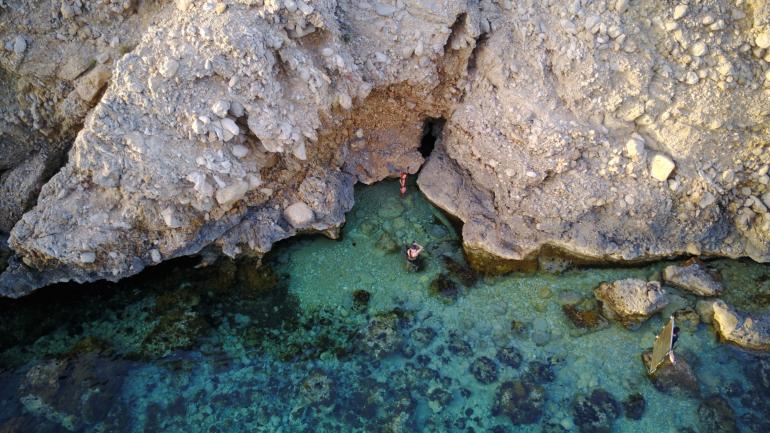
column 220, row 108
column 19, row 45
column 680, row 11
column 661, row 167
column 87, row 257
column 232, row 193
column 155, row 255
column 240, row 151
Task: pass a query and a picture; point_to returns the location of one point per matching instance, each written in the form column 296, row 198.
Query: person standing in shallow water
column 402, row 181
column 413, row 259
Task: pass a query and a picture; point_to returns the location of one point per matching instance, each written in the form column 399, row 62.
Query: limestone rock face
column 215, row 123
column 228, row 114
column 537, row 155
column 631, row 301
column 741, row 329
column 55, row 59
column 693, row 277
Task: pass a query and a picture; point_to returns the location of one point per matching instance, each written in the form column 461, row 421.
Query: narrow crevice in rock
column 431, row 132
column 481, row 41
column 457, row 30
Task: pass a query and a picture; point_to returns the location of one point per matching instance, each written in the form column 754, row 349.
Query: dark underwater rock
column 382, row 336
column 521, row 401
column 461, row 272
column 596, row 412
column 716, row 416
column 484, row 370
column 458, row 346
column 317, row 389
column 634, row 406
column 541, row 372
column 176, row 330
column 676, row 379
column 509, row 356
column 438, row 399
column 585, row 315
column 361, row 300
column 444, row 288
column 422, row 337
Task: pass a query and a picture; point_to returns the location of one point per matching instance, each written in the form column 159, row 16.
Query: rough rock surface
column 55, row 59
column 214, row 120
column 676, row 379
column 320, row 96
column 631, row 301
column 741, row 329
column 534, row 158
column 693, row 277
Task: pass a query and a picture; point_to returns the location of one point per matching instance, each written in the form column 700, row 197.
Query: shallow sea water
column 337, row 336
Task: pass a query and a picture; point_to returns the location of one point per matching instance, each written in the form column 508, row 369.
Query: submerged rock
column 458, row 346
column 694, row 277
column 633, row 406
column 484, row 370
column 595, row 412
column 509, row 356
column 631, row 301
column 676, row 379
column 521, row 401
column 382, row 336
column 741, row 329
column 361, row 300
column 317, row 389
column 445, row 288
column 422, row 337
column 716, row 416
column 585, row 315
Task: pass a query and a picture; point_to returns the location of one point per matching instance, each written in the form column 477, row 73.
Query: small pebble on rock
column 220, row 108
column 19, row 45
column 155, row 255
column 661, row 167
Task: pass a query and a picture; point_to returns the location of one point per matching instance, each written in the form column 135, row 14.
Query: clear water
column 337, row 336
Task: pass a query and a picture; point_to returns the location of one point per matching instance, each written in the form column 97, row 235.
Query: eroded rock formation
column 607, row 129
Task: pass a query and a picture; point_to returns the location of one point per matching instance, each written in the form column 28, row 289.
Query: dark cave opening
column 431, row 132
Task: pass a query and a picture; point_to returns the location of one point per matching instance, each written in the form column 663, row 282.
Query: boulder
column 631, row 301
column 299, row 215
column 677, row 379
column 740, row 328
column 661, row 167
column 694, row 277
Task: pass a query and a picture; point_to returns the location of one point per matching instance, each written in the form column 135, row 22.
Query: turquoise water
column 337, row 336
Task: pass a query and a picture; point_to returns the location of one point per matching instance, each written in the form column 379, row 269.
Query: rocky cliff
column 607, row 130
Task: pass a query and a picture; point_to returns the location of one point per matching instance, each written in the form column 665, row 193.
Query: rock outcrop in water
column 631, row 301
column 607, row 130
column 740, row 328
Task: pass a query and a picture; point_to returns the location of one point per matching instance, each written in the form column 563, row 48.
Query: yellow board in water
column 662, row 346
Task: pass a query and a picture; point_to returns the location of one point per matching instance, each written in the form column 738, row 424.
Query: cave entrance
column 431, row 132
